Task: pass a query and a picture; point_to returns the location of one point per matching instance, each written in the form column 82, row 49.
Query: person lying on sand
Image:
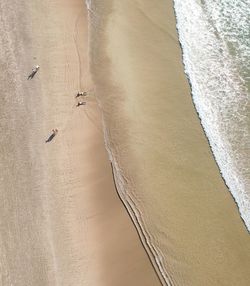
column 80, row 103
column 81, row 93
column 34, row 71
column 54, row 132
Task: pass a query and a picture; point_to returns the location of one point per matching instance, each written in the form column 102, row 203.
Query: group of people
column 81, row 93
column 79, row 103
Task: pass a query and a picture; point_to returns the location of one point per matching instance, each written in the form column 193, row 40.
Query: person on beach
column 34, row 71
column 81, row 93
column 54, row 132
column 81, row 103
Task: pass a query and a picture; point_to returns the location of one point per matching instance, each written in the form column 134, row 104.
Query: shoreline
column 119, row 182
column 140, row 229
column 118, row 90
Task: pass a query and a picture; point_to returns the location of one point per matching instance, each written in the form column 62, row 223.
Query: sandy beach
column 61, row 220
column 169, row 218
column 164, row 168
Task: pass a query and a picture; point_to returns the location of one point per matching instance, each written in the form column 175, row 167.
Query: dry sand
column 164, row 166
column 61, row 221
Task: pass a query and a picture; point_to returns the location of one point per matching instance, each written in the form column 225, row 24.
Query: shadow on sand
column 51, row 137
column 32, row 75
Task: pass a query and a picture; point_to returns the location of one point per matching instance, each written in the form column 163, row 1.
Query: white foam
column 88, row 4
column 203, row 79
column 219, row 95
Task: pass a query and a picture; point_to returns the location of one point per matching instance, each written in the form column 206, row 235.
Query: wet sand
column 61, row 221
column 164, row 168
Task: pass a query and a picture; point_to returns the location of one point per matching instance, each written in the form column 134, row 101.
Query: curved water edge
column 214, row 60
column 152, row 251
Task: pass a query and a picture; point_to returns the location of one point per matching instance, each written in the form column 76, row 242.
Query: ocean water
column 215, row 38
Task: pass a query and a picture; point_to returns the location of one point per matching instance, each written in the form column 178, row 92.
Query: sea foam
column 213, row 35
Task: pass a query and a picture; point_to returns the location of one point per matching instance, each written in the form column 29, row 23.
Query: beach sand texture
column 164, row 168
column 61, row 221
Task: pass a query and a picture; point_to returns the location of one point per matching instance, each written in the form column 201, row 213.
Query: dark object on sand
column 82, row 93
column 54, row 132
column 34, row 71
column 81, row 103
